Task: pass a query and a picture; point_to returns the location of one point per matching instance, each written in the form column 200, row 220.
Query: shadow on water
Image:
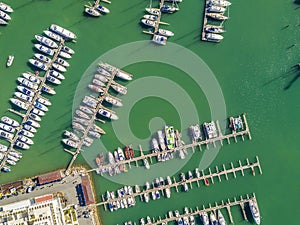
column 28, row 3
column 295, row 78
column 73, row 3
column 85, row 18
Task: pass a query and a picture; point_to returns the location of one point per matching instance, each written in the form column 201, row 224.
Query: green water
column 252, row 65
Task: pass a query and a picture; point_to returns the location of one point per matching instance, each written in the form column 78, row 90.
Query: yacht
column 48, row 90
column 19, row 103
column 108, row 114
column 161, row 140
column 44, row 101
column 62, row 32
column 216, row 9
column 98, row 82
column 168, row 9
column 3, row 148
column 158, row 39
column 10, row 121
column 146, row 163
column 21, row 145
column 44, row 49
column 56, row 74
column 38, row 64
column 4, row 16
column 41, row 106
column 78, row 127
column 25, row 139
column 29, row 128
column 221, row 219
column 46, row 41
column 33, row 123
column 120, row 89
column 62, row 62
column 124, row 75
column 11, row 162
column 82, row 114
column 213, row 218
column 102, row 9
column 149, row 23
column 214, row 29
column 7, row 128
column 101, row 78
column 113, row 101
column 213, row 37
column 86, row 110
column 25, row 91
column 150, row 17
column 27, row 83
column 221, row 3
column 254, row 211
column 6, row 8
column 6, row 135
column 31, row 77
column 67, row 50
column 166, row 33
column 42, row 58
column 53, row 80
column 26, row 133
column 217, row 16
column 3, row 22
column 23, row 97
column 38, row 112
column 52, row 35
column 102, row 71
column 95, row 88
column 58, row 67
column 153, row 11
column 91, row 11
column 71, row 135
column 64, row 55
column 70, row 143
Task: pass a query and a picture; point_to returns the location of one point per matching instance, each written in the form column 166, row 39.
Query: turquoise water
column 253, row 65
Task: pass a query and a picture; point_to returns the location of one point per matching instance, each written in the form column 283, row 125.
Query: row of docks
column 125, row 196
column 208, row 215
column 84, row 120
column 29, row 101
column 153, row 20
column 5, row 11
column 214, row 11
column 169, row 144
column 95, row 9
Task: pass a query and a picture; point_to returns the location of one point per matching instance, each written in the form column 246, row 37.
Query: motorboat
column 108, row 114
column 82, row 114
column 29, row 128
column 221, row 218
column 67, row 50
column 158, row 39
column 17, row 155
column 44, row 101
column 11, row 157
column 214, row 29
column 92, row 12
column 52, row 79
column 150, row 17
column 58, row 67
column 98, row 129
column 7, row 128
column 40, row 106
column 95, row 88
column 170, row 137
column 90, row 101
column 56, row 74
column 149, row 23
column 11, row 162
column 86, row 110
column 62, row 31
column 103, row 72
column 25, row 91
column 44, row 49
column 4, row 16
column 221, row 3
column 195, row 132
column 168, row 9
column 21, row 145
column 213, row 218
column 213, row 37
column 81, row 121
column 3, row 148
column 33, row 123
column 48, row 90
column 119, row 88
column 9, row 121
column 124, row 75
column 166, row 33
column 23, row 97
column 3, row 22
column 38, row 64
column 46, row 41
column 71, row 135
column 70, row 143
column 121, row 154
column 26, row 133
column 6, row 135
column 216, row 9
column 42, row 58
column 98, row 82
column 94, row 134
column 100, row 77
column 153, row 11
column 113, row 101
column 254, row 211
column 10, row 60
column 38, row 112
column 217, row 16
column 146, row 163
column 52, row 35
column 31, row 77
column 6, row 169
column 161, row 140
column 25, row 139
column 64, row 55
column 78, row 127
column 6, row 8
column 62, row 62
column 102, row 9
column 19, row 103
column 197, row 172
column 27, row 83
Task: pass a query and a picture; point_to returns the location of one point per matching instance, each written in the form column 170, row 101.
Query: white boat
column 150, row 17
column 161, row 140
column 124, row 75
column 214, row 29
column 29, row 128
column 98, row 129
column 158, row 39
column 65, row 55
column 168, row 192
column 213, row 37
column 21, row 145
column 108, row 114
column 168, row 9
column 52, row 35
column 213, row 219
column 81, row 121
column 70, row 143
column 58, row 67
column 6, row 8
column 23, row 97
column 3, row 148
column 67, row 50
column 46, row 41
column 62, row 31
column 94, row 134
column 4, row 16
column 42, row 58
column 78, row 127
column 11, row 162
column 48, row 90
column 91, row 11
column 26, row 133
column 10, row 157
column 27, row 83
column 44, row 101
column 10, row 60
column 62, row 62
column 38, row 112
column 40, row 106
column 195, row 132
column 119, row 88
column 53, row 79
column 103, row 72
column 95, row 88
column 153, row 11
column 6, row 135
column 166, row 33
column 254, row 211
column 98, row 82
column 3, row 22
column 216, row 9
column 25, row 139
column 82, row 114
column 7, row 128
column 35, row 117
column 113, row 101
column 217, row 16
column 19, row 103
column 18, row 155
column 44, row 49
column 221, row 218
column 221, row 3
column 33, row 123
column 101, row 78
column 10, row 121
column 32, row 78
column 146, row 163
column 102, row 9
column 71, row 135
column 25, row 91
column 149, row 23
column 56, row 74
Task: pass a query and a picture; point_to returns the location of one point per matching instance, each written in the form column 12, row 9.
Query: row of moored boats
column 5, row 10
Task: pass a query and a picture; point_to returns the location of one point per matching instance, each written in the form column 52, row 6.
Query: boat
column 153, row 11
column 161, row 140
column 213, row 37
column 216, row 9
column 236, row 123
column 6, row 8
column 26, row 133
column 86, row 110
column 170, row 137
column 67, row 50
column 158, row 39
column 108, row 114
column 44, row 49
column 42, row 58
column 58, row 67
column 119, row 88
column 5, row 169
column 221, row 3
column 3, row 22
column 81, row 121
column 82, row 114
column 213, row 218
column 10, row 60
column 9, row 121
column 48, row 90
column 56, row 74
column 221, row 218
column 7, row 128
column 4, row 16
column 33, row 123
column 103, row 71
column 254, row 211
column 63, row 32
column 21, row 145
column 71, row 135
column 197, row 172
column 38, row 64
column 124, row 75
column 146, row 163
column 98, row 129
column 195, row 132
column 113, row 101
column 6, row 135
column 78, row 127
column 44, row 101
column 90, row 101
column 27, row 83
column 29, row 128
column 52, row 35
column 25, row 139
column 131, row 152
column 190, row 174
column 31, row 77
column 121, row 154
column 46, row 41
column 166, row 33
column 94, row 134
column 3, row 148
column 70, row 143
column 149, row 23
column 214, row 29
column 23, row 97
column 168, row 192
column 18, row 155
column 91, row 11
column 95, row 88
column 13, row 158
column 168, row 9
column 62, row 62
column 111, row 159
column 150, row 17
column 53, row 79
column 19, row 103
column 25, row 91
column 11, row 162
column 98, row 82
column 217, row 16
column 101, row 78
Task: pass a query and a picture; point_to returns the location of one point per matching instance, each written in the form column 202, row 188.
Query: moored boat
column 92, row 12
column 3, row 148
column 254, row 211
column 213, row 218
column 113, row 101
column 4, row 16
column 58, row 67
column 38, row 64
column 27, row 83
column 19, row 103
column 25, row 91
column 166, row 33
column 48, row 90
column 41, row 106
column 46, row 41
column 10, row 121
column 25, row 140
column 53, row 79
column 102, row 9
column 158, row 39
column 56, row 74
column 213, row 37
column 149, row 23
column 11, row 162
column 124, row 75
column 95, row 88
column 214, row 29
column 23, row 97
column 170, row 137
column 26, row 133
column 98, row 129
column 43, row 101
column 32, row 78
column 10, row 60
column 52, row 35
column 150, row 17
column 221, row 3
column 6, row 169
column 217, row 16
column 42, row 58
column 29, row 128
column 62, row 62
column 62, row 31
column 82, row 114
column 71, row 135
column 78, row 127
column 119, row 88
column 33, row 123
column 7, row 128
column 6, row 135
column 153, row 11
column 108, row 114
column 21, row 145
column 94, row 134
column 101, row 78
column 86, row 110
column 221, row 218
column 3, row 22
column 38, row 112
column 44, row 49
column 67, row 50
column 70, row 143
column 168, row 9
column 103, row 71
column 64, row 55
column 6, row 8
column 216, row 9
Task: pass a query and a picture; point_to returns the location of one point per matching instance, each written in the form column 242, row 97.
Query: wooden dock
column 205, row 178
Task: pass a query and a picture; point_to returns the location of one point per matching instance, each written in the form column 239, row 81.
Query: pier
column 204, row 178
